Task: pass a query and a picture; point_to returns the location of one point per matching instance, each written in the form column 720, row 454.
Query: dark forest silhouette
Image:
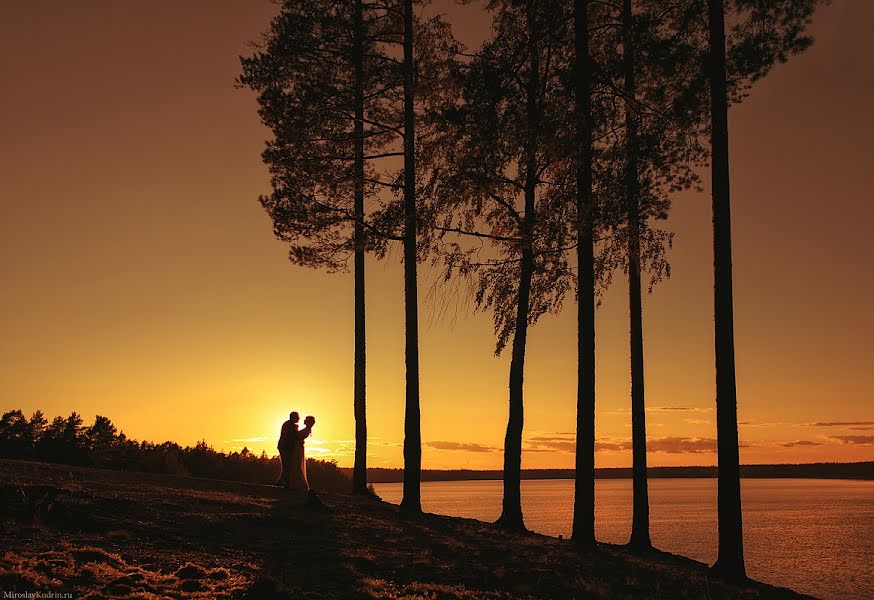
column 537, row 164
column 69, row 441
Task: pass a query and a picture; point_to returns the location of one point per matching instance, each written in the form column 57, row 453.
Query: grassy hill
column 101, row 534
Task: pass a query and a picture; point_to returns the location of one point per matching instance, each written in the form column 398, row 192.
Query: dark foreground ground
column 108, row 534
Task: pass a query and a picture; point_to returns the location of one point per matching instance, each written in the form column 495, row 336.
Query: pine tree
column 502, row 146
column 583, row 532
column 762, row 34
column 325, row 88
column 412, row 500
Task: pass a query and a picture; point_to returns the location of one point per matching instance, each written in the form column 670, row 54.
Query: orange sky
column 141, row 280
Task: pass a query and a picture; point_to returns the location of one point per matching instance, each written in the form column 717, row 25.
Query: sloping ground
column 102, row 534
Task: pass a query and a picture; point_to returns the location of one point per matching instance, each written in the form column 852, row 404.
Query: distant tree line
column 69, row 441
column 857, row 470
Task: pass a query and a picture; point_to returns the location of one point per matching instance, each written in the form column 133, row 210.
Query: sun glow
column 277, row 428
column 316, row 449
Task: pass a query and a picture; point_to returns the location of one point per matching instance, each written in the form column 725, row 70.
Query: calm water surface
column 814, row 536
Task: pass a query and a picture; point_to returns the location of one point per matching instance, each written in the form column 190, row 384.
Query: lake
column 814, row 536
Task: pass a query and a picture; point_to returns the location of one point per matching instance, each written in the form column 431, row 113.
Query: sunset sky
column 141, row 280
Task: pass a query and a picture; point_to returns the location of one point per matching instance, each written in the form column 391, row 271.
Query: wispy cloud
column 798, row 443
column 460, row 446
column 860, row 440
column 849, row 425
column 681, row 445
column 661, row 409
column 611, row 445
column 251, row 440
column 552, row 442
column 330, row 448
column 667, row 445
column 568, row 444
column 769, row 424
column 677, row 409
column 565, row 442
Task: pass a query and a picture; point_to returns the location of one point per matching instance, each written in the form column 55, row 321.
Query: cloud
column 461, row 446
column 677, row 409
column 860, row 440
column 557, row 442
column 677, row 445
column 560, row 437
column 330, row 447
column 769, row 424
column 370, row 442
column 797, row 443
column 610, row 445
column 851, row 425
column 251, row 440
column 562, row 446
column 552, row 442
column 681, row 445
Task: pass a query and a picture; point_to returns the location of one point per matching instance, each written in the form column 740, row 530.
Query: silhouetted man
column 286, row 445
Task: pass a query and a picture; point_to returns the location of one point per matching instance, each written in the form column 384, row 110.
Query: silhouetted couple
column 290, row 446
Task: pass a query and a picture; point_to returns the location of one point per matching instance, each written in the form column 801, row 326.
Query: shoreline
column 857, row 471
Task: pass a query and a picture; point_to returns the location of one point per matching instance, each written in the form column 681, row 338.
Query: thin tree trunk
column 511, row 515
column 584, row 485
column 412, row 418
column 640, row 516
column 359, row 472
column 730, row 561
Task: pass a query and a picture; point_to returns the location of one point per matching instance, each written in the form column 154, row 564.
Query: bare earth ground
column 109, row 534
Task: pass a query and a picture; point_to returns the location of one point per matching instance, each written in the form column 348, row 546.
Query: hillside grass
column 109, row 534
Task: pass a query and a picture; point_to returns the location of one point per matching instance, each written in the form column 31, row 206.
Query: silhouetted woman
column 298, row 476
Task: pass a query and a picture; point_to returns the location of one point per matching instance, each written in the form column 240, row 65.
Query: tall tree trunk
column 412, row 418
column 730, row 561
column 511, row 514
column 640, row 516
column 584, row 484
column 359, row 472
